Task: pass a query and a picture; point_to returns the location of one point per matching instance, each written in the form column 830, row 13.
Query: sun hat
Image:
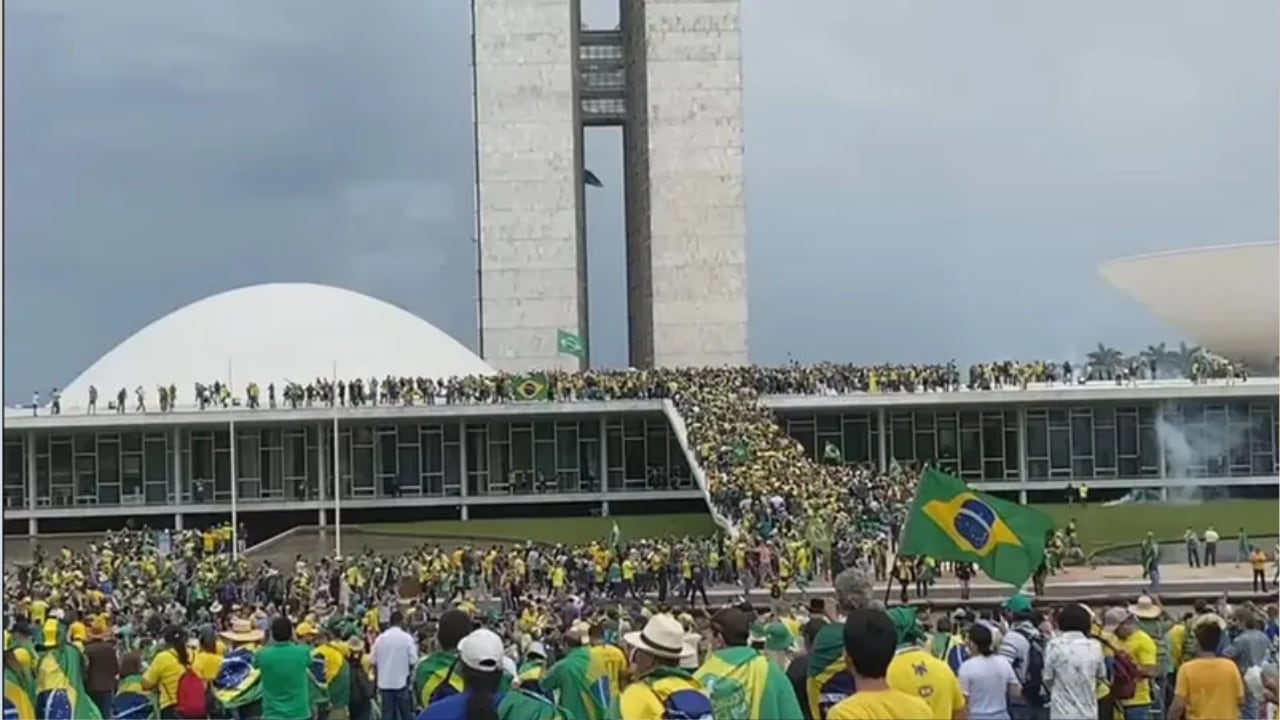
column 1146, row 608
column 662, row 636
column 537, row 649
column 242, row 631
column 689, row 651
column 481, row 650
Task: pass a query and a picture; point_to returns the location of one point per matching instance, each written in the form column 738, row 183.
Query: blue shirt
column 453, row 707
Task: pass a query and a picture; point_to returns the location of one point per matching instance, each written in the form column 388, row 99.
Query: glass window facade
column 972, row 444
column 856, row 434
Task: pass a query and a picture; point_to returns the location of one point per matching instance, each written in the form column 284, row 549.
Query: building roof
column 277, row 332
column 1226, row 298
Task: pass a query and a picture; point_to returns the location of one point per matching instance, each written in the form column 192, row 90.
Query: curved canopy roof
column 277, row 332
column 1225, row 298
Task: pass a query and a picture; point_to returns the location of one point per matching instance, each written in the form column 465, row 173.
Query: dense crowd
column 172, row 624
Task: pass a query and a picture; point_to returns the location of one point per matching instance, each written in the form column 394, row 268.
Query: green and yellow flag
column 568, row 343
column 19, row 695
column 948, row 521
column 532, row 387
column 60, row 693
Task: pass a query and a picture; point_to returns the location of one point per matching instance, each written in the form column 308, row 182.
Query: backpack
column 192, row 696
column 1033, row 688
column 1124, row 675
column 362, row 691
column 687, row 704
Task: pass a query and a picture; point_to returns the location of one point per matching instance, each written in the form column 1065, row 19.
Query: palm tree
column 1183, row 356
column 1160, row 358
column 1105, row 358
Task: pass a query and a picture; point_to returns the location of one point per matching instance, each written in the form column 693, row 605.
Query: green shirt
column 286, row 681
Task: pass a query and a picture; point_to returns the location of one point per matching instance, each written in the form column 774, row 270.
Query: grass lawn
column 1101, row 527
column 573, row 530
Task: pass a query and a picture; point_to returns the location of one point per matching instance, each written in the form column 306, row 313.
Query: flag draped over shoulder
column 237, row 682
column 60, row 693
column 131, row 701
column 743, row 683
column 827, row 682
column 430, row 675
column 948, row 521
column 580, row 682
column 334, row 674
column 19, row 695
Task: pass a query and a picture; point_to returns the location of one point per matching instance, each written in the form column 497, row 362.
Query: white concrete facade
column 683, row 149
column 529, row 181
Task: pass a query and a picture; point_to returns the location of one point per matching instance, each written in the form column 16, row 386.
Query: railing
column 695, row 467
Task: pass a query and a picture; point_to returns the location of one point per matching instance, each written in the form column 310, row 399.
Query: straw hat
column 1146, row 608
column 662, row 636
column 242, row 631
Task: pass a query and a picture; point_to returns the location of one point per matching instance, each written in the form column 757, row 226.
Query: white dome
column 276, row 332
column 1226, row 298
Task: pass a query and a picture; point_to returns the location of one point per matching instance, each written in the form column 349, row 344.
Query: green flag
column 531, row 387
column 568, row 343
column 948, row 521
column 831, row 455
column 615, row 536
column 741, row 451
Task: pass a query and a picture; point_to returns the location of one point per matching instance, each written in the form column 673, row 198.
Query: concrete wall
column 529, row 176
column 685, row 191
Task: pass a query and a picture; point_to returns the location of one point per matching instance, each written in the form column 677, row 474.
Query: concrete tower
column 671, row 77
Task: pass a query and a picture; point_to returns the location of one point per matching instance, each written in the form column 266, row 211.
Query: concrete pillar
column 1162, row 462
column 177, row 521
column 882, row 438
column 179, row 484
column 321, row 466
column 33, row 528
column 1022, row 453
column 29, row 455
column 464, row 512
column 604, row 508
column 604, row 458
column 462, row 469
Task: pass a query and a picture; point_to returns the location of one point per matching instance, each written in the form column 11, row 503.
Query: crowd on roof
column 170, row 624
column 1103, row 365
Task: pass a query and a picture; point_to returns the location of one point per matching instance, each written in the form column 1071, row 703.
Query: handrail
column 682, row 435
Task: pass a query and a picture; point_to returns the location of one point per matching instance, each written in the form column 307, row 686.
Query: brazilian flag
column 948, row 521
column 19, row 695
column 237, row 682
column 131, row 701
column 60, row 693
column 531, row 388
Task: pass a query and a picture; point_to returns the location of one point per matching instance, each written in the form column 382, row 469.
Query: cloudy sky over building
column 926, row 180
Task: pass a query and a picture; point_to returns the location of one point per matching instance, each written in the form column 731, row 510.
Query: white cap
column 481, row 650
column 537, row 648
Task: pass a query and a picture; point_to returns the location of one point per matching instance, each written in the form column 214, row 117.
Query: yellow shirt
column 916, row 672
column 38, row 610
column 1142, row 649
column 1211, row 688
column 163, row 674
column 644, row 700
column 880, row 705
column 207, row 665
column 615, row 665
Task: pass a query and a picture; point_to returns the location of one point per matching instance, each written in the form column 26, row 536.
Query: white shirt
column 1073, row 665
column 985, row 681
column 394, row 654
column 1211, row 535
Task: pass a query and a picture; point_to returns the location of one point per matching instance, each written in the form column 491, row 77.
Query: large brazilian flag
column 131, row 701
column 948, row 521
column 60, row 693
column 237, row 682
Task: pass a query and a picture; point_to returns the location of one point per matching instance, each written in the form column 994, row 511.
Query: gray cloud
column 925, row 179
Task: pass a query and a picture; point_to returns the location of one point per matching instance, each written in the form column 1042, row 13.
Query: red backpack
column 192, row 696
column 1124, row 675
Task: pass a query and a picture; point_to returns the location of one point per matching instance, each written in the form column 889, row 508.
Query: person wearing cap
column 915, row 672
column 529, row 674
column 481, row 657
column 779, row 644
column 737, row 674
column 1122, row 625
column 659, row 687
column 1209, row 687
column 580, row 681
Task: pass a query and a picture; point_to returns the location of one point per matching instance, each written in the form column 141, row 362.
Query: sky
column 925, row 180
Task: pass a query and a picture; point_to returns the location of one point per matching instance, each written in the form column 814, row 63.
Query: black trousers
column 1260, row 578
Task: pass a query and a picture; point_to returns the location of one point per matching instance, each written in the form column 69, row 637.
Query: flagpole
column 337, row 470
column 235, row 517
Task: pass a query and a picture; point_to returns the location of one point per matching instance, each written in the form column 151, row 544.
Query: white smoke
column 1189, row 450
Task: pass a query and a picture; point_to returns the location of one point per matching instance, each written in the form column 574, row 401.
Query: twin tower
column 671, row 77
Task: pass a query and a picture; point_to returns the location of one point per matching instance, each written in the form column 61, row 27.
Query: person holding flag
column 60, row 693
column 579, row 682
column 742, row 682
